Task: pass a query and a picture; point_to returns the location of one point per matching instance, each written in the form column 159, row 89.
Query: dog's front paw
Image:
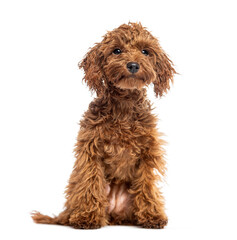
column 84, row 224
column 80, row 225
column 158, row 224
column 146, row 220
column 86, row 220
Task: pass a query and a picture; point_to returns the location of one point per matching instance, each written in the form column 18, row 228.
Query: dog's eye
column 145, row 52
column 117, row 51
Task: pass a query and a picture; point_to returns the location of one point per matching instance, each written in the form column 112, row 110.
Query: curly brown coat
column 119, row 155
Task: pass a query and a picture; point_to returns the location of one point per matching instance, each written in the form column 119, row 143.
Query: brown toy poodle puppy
column 119, row 155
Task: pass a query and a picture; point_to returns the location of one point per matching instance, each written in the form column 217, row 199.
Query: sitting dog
column 119, row 155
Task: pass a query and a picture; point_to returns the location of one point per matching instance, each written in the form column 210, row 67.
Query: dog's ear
column 92, row 68
column 164, row 72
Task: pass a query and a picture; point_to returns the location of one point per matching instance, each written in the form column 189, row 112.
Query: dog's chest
column 122, row 149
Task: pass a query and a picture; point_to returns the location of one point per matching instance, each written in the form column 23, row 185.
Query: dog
column 119, row 154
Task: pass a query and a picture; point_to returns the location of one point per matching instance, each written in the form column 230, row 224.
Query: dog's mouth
column 132, row 77
column 130, row 82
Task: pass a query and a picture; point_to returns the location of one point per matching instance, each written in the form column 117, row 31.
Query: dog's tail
column 61, row 219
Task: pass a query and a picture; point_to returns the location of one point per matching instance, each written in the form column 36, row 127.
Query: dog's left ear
column 92, row 68
column 165, row 73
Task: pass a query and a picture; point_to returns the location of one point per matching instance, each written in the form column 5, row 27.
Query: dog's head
column 129, row 57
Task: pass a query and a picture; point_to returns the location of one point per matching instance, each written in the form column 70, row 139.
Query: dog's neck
column 117, row 94
column 123, row 102
column 120, row 104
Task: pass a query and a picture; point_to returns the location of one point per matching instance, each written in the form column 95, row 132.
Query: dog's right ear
column 92, row 68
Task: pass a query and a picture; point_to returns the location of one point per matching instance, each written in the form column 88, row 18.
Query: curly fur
column 118, row 146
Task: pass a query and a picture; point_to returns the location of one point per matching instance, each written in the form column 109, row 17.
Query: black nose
column 133, row 67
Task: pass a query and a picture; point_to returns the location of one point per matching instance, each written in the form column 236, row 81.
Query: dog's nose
column 133, row 67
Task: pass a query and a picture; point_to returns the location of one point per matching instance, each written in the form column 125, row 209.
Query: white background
column 42, row 100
